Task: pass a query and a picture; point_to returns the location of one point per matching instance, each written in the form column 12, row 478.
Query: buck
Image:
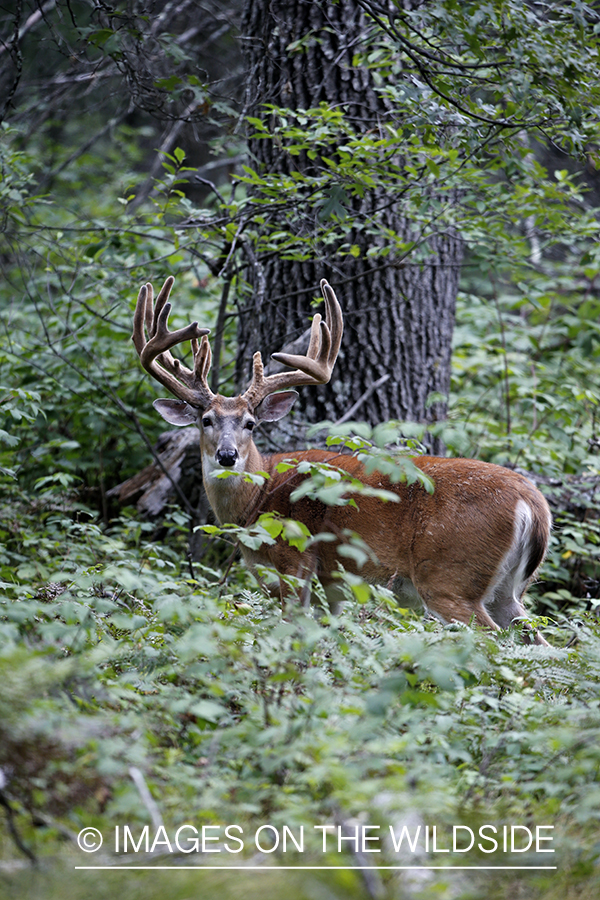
column 468, row 550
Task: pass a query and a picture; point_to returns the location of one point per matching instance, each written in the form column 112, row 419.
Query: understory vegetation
column 119, row 654
column 143, row 686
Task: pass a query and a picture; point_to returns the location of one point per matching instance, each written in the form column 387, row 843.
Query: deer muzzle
column 227, row 456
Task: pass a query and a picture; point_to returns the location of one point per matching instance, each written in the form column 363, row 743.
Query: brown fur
column 469, row 549
column 449, row 544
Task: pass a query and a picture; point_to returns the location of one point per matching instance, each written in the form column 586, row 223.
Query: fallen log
column 176, row 473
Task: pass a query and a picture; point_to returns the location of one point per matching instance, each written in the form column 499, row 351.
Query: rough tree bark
column 399, row 317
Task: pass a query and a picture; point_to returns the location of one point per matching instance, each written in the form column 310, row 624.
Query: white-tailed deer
column 469, row 550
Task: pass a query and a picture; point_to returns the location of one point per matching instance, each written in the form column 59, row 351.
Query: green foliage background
column 114, row 654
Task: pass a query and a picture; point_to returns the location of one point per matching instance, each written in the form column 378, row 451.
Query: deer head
column 226, row 423
column 468, row 551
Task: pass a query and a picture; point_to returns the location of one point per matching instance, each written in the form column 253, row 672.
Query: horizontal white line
column 307, row 868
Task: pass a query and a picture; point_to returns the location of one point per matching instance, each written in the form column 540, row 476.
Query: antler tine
column 158, row 319
column 334, row 317
column 155, row 352
column 149, row 308
column 315, row 367
column 202, row 359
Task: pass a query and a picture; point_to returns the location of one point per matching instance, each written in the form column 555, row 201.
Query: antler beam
column 155, row 350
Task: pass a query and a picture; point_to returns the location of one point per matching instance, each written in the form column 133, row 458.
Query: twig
column 17, row 57
column 371, row 878
column 112, row 123
column 228, row 564
column 12, row 828
column 191, row 564
column 208, row 183
column 169, row 139
column 147, row 798
column 49, row 822
column 505, row 352
column 218, row 338
column 33, row 19
column 370, row 390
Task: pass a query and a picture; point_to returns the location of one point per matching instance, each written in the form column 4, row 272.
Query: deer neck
column 234, row 499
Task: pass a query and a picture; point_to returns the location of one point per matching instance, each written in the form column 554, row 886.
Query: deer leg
column 506, row 606
column 451, row 609
column 336, row 597
column 510, row 611
column 294, row 583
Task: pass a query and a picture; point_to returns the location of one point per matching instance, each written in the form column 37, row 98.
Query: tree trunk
column 398, row 317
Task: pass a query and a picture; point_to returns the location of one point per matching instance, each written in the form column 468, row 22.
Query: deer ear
column 176, row 412
column 276, row 406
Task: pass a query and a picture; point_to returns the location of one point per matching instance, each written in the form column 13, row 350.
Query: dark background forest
column 437, row 162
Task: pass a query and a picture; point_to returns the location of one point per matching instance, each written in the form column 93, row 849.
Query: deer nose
column 227, row 457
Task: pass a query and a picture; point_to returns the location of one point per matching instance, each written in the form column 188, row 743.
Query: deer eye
column 206, row 422
column 250, row 425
